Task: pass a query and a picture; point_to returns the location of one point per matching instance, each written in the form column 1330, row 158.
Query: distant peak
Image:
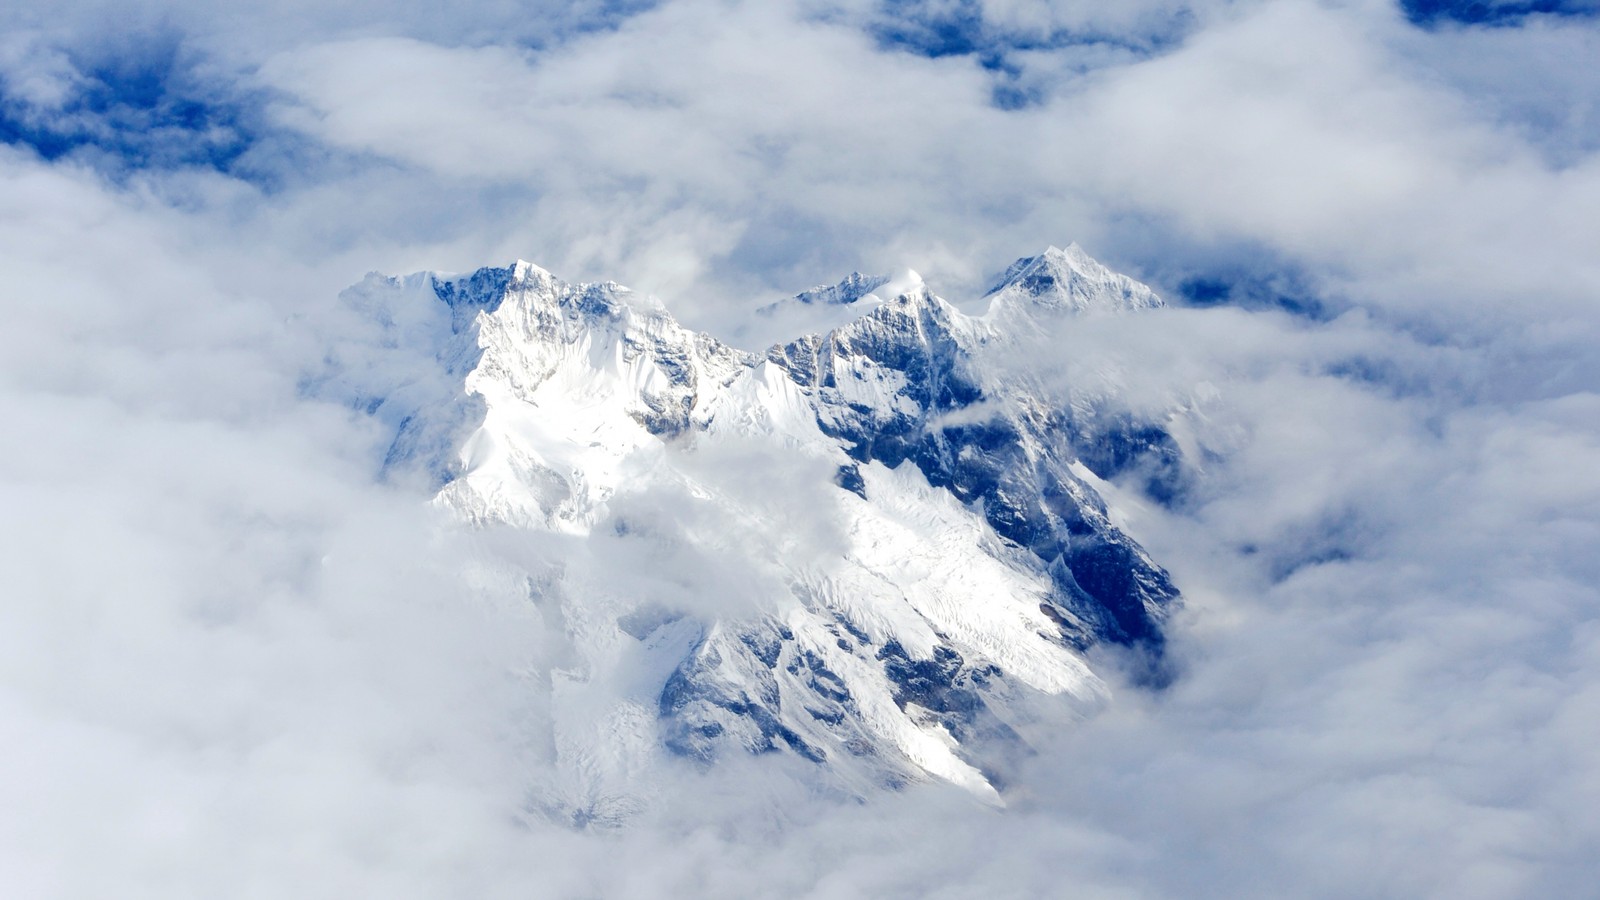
column 852, row 288
column 1053, row 265
column 1073, row 280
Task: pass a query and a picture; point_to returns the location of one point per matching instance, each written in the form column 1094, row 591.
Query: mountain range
column 880, row 547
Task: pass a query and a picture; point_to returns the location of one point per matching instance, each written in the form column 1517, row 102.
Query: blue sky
column 233, row 656
column 1490, row 13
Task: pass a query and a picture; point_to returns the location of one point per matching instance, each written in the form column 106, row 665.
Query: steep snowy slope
column 865, row 547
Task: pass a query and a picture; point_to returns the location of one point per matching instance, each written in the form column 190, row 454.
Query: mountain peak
column 855, row 286
column 1071, row 259
column 522, row 270
column 1072, row 280
column 904, row 282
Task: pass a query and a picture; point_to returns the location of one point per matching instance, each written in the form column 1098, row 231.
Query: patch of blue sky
column 937, row 29
column 148, row 99
column 1256, row 279
column 1219, row 272
column 1234, row 284
column 1494, row 13
column 150, row 104
column 932, row 30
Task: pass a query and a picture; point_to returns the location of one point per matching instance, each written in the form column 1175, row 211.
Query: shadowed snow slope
column 872, row 547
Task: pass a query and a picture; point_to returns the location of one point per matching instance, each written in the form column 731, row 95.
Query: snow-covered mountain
column 868, row 547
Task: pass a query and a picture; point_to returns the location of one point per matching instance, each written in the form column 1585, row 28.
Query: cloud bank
column 236, row 663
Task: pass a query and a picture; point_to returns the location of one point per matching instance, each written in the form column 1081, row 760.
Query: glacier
column 873, row 547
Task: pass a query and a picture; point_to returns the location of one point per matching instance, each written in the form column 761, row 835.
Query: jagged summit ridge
column 913, row 544
column 1055, row 282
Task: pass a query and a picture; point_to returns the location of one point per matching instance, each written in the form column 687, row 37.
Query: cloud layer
column 236, row 664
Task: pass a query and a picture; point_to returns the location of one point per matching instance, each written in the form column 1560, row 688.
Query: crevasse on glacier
column 965, row 558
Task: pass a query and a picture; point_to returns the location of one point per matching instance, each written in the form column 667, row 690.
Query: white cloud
column 231, row 664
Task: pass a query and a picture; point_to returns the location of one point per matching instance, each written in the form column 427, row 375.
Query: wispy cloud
column 235, row 663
